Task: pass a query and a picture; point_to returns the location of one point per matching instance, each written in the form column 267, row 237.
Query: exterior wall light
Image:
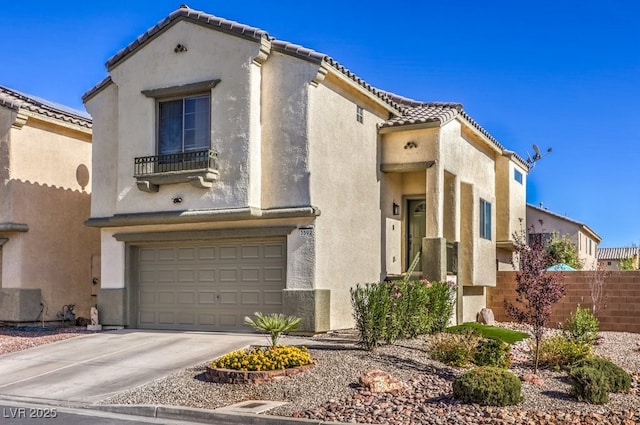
column 396, row 209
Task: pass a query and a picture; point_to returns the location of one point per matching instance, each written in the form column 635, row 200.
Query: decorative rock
column 486, row 316
column 378, row 381
column 232, row 376
column 530, row 377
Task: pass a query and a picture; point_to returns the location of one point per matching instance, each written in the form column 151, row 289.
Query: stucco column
column 434, row 259
column 435, row 201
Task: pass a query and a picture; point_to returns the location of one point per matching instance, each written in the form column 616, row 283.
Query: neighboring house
column 544, row 224
column 48, row 257
column 610, row 258
column 249, row 174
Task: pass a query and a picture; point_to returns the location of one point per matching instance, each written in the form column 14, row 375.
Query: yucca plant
column 274, row 324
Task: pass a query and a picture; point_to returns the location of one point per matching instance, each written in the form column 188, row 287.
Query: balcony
column 200, row 168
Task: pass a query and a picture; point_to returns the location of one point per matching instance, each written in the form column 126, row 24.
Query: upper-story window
column 359, row 114
column 485, row 219
column 517, row 176
column 184, row 124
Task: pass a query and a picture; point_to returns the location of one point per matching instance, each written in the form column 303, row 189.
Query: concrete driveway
column 90, row 368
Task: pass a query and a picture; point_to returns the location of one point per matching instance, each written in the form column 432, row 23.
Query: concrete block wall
column 620, row 310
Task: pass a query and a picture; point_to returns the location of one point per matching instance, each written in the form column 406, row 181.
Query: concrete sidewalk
column 90, row 368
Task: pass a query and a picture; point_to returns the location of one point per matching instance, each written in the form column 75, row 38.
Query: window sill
column 202, row 179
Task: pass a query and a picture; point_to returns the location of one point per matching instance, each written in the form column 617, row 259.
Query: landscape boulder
column 378, row 381
column 486, row 316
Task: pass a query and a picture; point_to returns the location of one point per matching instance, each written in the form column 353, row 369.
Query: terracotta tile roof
column 425, row 113
column 184, row 12
column 15, row 100
column 617, row 253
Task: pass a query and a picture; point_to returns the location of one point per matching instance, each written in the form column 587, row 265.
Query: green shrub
column 494, row 332
column 442, row 299
column 618, row 380
column 582, row 326
column 371, row 306
column 488, row 386
column 589, row 384
column 387, row 311
column 491, row 352
column 452, row 349
column 558, row 352
column 409, row 312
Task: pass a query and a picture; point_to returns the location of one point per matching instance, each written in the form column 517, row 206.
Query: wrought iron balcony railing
column 176, row 162
column 199, row 168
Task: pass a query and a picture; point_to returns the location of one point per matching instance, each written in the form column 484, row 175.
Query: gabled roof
column 408, row 111
column 240, row 30
column 16, row 100
column 617, row 253
column 583, row 226
column 417, row 112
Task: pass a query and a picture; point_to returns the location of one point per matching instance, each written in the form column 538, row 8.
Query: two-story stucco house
column 48, row 257
column 546, row 224
column 235, row 173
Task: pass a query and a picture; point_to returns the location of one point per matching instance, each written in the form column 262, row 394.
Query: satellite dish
column 531, row 161
column 536, row 149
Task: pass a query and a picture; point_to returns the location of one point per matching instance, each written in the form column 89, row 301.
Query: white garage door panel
column 209, row 287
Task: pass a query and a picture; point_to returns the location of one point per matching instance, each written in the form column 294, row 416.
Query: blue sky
column 560, row 74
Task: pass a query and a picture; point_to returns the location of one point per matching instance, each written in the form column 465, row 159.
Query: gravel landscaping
column 20, row 338
column 330, row 390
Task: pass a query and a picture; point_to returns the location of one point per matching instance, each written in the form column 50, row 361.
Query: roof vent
column 184, row 6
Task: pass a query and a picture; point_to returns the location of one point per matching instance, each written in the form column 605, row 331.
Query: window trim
column 184, row 90
column 360, row 114
column 518, row 176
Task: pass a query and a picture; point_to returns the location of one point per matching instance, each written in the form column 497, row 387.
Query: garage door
column 209, row 287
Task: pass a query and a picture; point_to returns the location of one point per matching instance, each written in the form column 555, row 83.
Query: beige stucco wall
column 285, row 127
column 235, row 113
column 104, row 111
column 343, row 159
column 46, row 186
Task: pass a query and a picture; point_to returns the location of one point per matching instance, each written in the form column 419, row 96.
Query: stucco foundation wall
column 620, row 309
column 346, row 187
column 55, row 254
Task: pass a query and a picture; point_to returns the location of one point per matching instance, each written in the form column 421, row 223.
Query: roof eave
column 190, row 15
column 374, row 97
column 431, row 123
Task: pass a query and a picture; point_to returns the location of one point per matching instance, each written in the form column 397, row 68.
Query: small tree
column 563, row 250
column 537, row 289
column 597, row 280
column 626, row 264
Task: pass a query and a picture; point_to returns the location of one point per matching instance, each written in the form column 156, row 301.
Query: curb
column 206, row 416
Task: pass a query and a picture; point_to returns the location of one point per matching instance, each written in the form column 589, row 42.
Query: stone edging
column 232, row 376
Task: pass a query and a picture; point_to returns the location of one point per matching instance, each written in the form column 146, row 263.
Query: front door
column 416, row 229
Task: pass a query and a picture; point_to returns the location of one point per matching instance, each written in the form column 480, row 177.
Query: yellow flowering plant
column 264, row 359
